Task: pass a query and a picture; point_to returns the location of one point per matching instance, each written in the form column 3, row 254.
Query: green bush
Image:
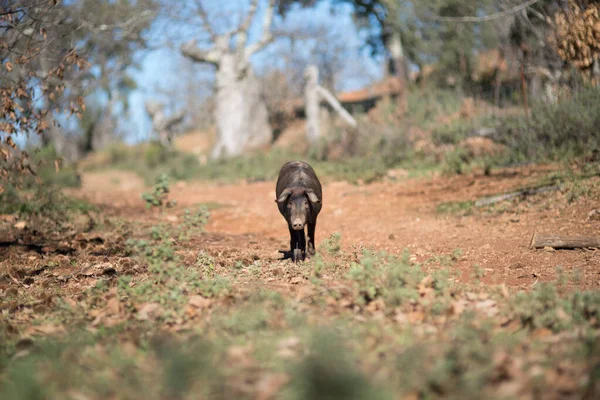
column 427, row 104
column 45, row 204
column 555, row 131
column 156, row 155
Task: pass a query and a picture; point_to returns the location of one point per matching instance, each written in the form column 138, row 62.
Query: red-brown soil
column 390, row 216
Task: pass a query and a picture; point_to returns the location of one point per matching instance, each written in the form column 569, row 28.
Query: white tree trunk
column 311, row 101
column 396, row 51
column 241, row 113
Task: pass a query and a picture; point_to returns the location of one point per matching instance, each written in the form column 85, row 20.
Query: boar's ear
column 312, row 196
column 284, row 196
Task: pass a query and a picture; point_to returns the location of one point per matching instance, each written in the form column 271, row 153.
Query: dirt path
column 391, row 217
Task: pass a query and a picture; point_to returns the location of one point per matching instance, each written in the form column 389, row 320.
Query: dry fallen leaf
column 400, row 317
column 297, row 280
column 199, row 302
column 488, row 307
column 269, row 385
column 426, row 286
column 70, row 302
column 48, row 329
column 504, row 291
column 411, row 396
column 76, row 395
column 7, row 217
column 89, row 271
column 99, row 317
column 113, row 306
column 471, row 296
column 458, row 307
column 376, row 305
column 288, row 347
column 20, row 225
column 416, row 317
column 240, row 356
column 149, row 311
column 541, row 333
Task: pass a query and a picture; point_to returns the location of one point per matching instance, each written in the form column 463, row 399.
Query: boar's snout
column 297, row 224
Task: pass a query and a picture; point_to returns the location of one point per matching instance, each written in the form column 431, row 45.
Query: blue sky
column 163, row 69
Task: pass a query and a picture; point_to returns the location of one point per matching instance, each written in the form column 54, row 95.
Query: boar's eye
column 289, row 205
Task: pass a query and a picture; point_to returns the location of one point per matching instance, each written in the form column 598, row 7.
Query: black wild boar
column 299, row 197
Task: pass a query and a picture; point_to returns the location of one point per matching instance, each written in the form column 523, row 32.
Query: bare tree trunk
column 311, row 98
column 241, row 113
column 397, row 66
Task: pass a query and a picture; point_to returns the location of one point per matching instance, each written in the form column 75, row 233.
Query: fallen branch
column 335, row 104
column 564, row 242
column 486, row 201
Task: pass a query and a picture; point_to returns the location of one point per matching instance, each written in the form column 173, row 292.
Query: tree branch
column 205, row 21
column 242, row 30
column 541, row 17
column 336, row 105
column 267, row 36
column 191, row 51
column 125, row 26
column 485, row 18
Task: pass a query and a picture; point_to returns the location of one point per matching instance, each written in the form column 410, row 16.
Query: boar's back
column 298, row 174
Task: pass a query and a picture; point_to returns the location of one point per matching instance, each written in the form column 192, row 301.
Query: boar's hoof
column 297, row 255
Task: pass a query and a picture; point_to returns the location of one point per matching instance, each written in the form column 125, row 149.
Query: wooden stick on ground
column 486, row 201
column 564, row 242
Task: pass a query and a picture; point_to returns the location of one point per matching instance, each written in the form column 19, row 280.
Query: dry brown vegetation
column 578, row 34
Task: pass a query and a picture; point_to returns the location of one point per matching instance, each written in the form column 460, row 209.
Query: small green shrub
column 333, row 244
column 156, row 155
column 160, row 192
column 45, row 205
column 52, row 169
column 193, row 223
column 393, row 279
column 545, row 308
column 456, row 162
column 425, row 105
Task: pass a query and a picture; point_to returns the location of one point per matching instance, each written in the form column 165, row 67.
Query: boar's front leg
column 311, row 238
column 297, row 244
column 293, row 239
